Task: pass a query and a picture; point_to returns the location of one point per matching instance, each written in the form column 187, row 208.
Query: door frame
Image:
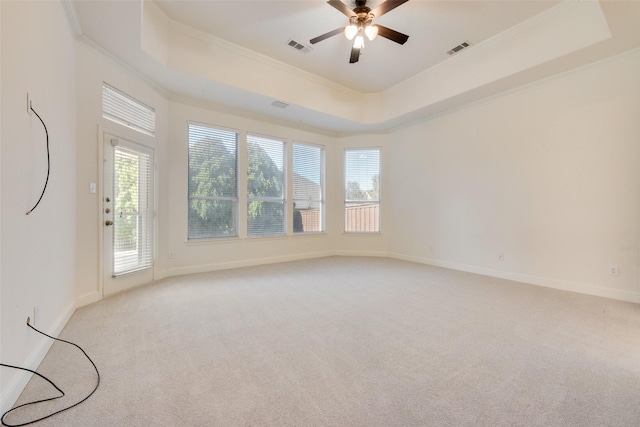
column 102, row 132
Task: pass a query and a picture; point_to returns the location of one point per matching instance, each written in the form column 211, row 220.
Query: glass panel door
column 128, row 215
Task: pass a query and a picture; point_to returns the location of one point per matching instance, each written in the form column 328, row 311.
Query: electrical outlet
column 29, row 104
column 613, row 270
column 36, row 314
column 172, row 255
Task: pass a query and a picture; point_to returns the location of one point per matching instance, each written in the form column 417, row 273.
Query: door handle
column 108, row 223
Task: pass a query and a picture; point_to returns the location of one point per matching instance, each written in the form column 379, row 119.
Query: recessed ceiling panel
column 433, row 28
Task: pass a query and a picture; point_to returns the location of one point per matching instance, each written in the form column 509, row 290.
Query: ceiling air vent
column 299, row 46
column 458, row 48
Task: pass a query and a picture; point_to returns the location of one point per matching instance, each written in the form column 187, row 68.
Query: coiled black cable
column 48, row 161
column 4, row 423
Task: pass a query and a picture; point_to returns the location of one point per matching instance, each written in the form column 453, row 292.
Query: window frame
column 322, row 200
column 138, row 116
column 234, row 199
column 267, row 199
column 377, row 202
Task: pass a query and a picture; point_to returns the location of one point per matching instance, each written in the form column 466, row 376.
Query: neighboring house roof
column 306, row 193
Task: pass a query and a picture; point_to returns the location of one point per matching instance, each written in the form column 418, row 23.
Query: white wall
column 38, row 251
column 547, row 175
column 1, row 379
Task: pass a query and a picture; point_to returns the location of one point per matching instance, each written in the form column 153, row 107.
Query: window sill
column 226, row 240
column 212, row 240
column 309, row 234
column 268, row 237
column 362, row 233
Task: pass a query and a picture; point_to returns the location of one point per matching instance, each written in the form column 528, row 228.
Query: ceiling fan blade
column 387, row 6
column 355, row 55
column 327, row 35
column 342, row 7
column 392, row 35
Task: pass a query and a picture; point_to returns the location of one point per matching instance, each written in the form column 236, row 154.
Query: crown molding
column 152, row 83
column 492, row 42
column 72, row 17
column 245, row 114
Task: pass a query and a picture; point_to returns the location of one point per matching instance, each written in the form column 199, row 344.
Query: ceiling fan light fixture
column 358, row 43
column 350, row 31
column 371, row 31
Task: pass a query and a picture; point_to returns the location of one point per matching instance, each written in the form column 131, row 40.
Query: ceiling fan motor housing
column 361, row 10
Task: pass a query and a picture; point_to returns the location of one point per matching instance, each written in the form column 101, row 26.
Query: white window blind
column 121, row 108
column 362, row 190
column 308, row 188
column 265, row 186
column 213, row 182
column 132, row 224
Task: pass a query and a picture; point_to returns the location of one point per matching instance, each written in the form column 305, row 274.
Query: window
column 362, row 190
column 265, row 186
column 213, row 182
column 308, row 188
column 121, row 108
column 133, row 208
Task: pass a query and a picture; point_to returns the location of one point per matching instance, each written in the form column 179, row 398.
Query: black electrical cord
column 4, row 423
column 48, row 161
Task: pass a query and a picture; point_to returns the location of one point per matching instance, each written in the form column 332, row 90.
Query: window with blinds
column 265, row 186
column 362, row 190
column 132, row 219
column 213, row 182
column 308, row 188
column 121, row 108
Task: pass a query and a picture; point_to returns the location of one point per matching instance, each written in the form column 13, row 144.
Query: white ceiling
column 262, row 28
column 433, row 28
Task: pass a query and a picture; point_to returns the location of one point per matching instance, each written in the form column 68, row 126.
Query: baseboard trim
column 373, row 254
column 508, row 275
column 34, row 359
column 547, row 282
column 204, row 268
column 87, row 299
column 564, row 285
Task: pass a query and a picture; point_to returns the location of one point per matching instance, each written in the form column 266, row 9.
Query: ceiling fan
column 361, row 24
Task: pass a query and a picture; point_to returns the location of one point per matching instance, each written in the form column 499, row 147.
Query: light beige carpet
column 347, row 342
